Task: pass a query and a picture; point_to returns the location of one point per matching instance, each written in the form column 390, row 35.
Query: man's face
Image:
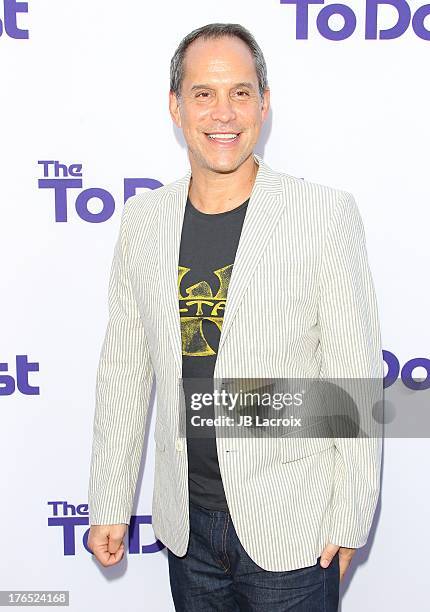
column 220, row 96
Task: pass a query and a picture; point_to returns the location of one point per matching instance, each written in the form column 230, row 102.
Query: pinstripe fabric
column 301, row 304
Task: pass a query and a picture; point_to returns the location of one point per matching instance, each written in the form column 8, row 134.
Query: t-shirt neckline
column 204, row 215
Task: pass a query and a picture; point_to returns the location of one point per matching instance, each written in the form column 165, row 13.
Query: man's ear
column 265, row 103
column 174, row 109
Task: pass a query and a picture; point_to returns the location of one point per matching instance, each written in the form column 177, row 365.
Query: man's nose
column 223, row 110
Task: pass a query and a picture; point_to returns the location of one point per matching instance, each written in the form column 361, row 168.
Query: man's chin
column 225, row 165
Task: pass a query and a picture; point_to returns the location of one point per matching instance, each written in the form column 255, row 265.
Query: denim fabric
column 217, row 574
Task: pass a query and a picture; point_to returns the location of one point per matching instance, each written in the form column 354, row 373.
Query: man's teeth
column 223, row 136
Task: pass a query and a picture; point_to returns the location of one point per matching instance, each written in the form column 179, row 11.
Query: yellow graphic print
column 199, row 304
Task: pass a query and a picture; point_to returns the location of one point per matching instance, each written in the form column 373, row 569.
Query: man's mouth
column 223, row 137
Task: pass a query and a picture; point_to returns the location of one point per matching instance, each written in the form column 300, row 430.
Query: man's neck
column 213, row 192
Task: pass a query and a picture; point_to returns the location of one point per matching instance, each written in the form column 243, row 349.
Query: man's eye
column 242, row 91
column 202, row 93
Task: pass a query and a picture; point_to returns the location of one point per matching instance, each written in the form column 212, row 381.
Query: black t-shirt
column 207, row 252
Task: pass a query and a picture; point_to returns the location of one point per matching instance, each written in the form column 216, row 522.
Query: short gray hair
column 214, row 31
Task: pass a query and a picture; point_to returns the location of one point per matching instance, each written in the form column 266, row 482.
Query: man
column 235, row 271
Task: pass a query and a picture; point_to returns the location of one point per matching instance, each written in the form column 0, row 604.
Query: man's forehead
column 218, row 45
column 218, row 59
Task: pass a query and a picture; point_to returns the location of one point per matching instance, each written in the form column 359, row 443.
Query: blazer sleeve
column 351, row 349
column 123, row 389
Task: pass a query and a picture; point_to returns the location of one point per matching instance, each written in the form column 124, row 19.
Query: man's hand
column 106, row 542
column 345, row 556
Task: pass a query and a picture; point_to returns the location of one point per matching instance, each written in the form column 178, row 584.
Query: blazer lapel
column 264, row 208
column 170, row 217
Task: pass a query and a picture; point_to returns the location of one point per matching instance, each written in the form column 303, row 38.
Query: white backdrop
column 89, row 86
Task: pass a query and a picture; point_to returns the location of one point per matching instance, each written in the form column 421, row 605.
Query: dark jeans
column 217, row 574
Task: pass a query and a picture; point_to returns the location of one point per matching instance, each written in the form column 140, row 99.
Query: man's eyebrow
column 207, row 86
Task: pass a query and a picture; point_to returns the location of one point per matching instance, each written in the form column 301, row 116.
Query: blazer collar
column 264, row 209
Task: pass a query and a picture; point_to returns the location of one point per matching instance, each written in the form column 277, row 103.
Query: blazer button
column 179, row 445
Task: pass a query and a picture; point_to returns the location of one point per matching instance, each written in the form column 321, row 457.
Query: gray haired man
column 234, row 271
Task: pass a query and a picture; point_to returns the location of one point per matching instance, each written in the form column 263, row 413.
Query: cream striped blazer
column 301, row 304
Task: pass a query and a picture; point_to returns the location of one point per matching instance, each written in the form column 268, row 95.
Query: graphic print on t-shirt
column 200, row 302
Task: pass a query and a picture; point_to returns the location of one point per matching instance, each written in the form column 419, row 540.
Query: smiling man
column 235, row 271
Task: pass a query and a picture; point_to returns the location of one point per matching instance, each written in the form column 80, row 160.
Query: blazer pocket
column 160, row 437
column 293, row 449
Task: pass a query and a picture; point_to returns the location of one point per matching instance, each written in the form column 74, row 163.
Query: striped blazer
column 301, row 304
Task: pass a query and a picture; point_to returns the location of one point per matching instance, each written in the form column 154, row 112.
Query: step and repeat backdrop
column 85, row 124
